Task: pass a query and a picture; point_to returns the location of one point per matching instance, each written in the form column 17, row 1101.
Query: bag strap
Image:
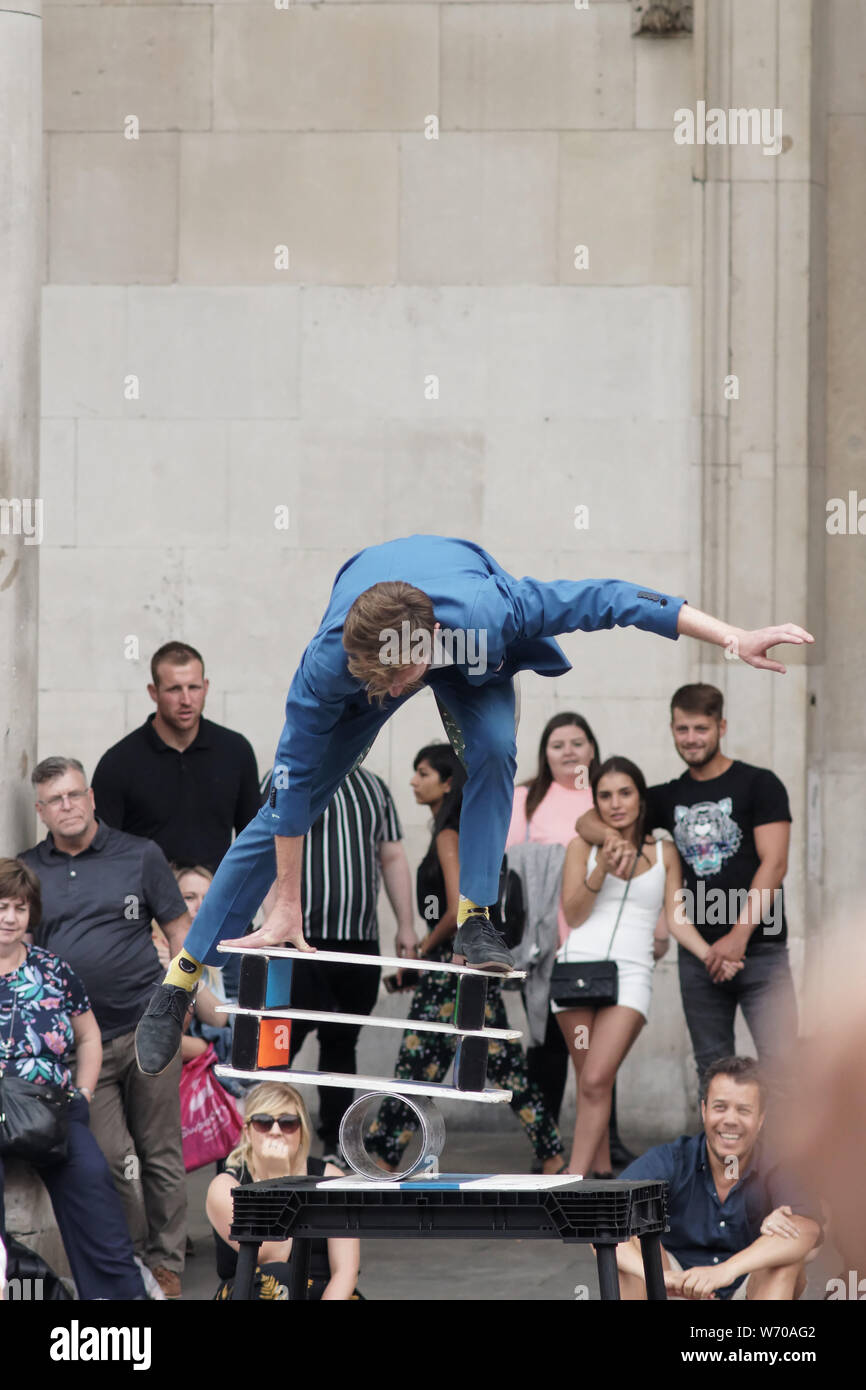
column 621, row 906
column 7, row 1048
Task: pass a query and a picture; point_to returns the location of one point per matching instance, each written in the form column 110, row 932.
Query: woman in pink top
column 545, row 810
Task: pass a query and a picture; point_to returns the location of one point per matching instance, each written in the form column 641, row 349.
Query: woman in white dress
column 599, row 1038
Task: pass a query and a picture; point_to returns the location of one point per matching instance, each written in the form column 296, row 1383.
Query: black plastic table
column 450, row 1207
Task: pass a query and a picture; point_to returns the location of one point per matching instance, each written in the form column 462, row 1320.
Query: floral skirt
column 427, row 1057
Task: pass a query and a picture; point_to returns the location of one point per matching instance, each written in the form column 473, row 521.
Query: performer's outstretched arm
column 511, row 610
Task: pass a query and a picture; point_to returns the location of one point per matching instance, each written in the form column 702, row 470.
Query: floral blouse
column 38, row 1041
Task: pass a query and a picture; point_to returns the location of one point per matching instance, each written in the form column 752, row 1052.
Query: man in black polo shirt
column 100, row 890
column 739, row 1226
column 731, row 824
column 355, row 844
column 179, row 779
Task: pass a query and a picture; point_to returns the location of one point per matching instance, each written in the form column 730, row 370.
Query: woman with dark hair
column 48, row 1031
column 545, row 810
column 615, row 919
column 438, row 784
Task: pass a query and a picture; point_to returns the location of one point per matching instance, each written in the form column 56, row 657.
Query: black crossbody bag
column 34, row 1120
column 589, row 983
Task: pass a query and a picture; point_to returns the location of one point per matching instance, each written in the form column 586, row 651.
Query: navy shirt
column 188, row 802
column 703, row 1229
column 96, row 913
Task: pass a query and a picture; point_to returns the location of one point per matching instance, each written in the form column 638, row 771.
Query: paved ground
column 436, row 1270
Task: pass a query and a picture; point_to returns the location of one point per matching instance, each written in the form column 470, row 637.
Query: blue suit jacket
column 469, row 590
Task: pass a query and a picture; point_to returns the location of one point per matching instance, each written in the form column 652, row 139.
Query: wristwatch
column 84, row 1091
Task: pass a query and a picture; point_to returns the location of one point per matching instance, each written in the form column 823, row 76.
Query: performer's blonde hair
column 276, row 1098
column 376, row 613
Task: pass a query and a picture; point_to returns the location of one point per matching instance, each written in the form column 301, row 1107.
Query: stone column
column 28, row 1210
column 759, row 249
column 21, row 520
column 840, row 732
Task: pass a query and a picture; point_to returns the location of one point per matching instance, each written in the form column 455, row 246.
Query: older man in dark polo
column 100, row 890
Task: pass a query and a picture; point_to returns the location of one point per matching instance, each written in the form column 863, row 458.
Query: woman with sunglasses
column 275, row 1143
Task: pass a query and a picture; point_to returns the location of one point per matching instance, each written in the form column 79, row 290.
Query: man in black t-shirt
column 179, row 779
column 731, row 824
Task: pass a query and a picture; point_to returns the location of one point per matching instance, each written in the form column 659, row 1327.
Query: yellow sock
column 467, row 906
column 184, row 972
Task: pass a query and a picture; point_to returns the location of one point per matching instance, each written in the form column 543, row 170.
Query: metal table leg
column 248, row 1254
column 299, row 1268
column 608, row 1274
column 653, row 1271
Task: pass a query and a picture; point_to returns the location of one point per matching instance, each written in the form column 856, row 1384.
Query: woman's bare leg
column 577, row 1026
column 614, row 1030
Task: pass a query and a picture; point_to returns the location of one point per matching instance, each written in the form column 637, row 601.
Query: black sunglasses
column 262, row 1124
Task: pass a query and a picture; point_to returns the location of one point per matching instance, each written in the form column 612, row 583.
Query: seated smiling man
column 740, row 1227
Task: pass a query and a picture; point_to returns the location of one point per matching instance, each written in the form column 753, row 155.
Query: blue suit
column 330, row 723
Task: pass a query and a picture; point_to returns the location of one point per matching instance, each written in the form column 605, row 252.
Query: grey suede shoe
column 158, row 1035
column 482, row 946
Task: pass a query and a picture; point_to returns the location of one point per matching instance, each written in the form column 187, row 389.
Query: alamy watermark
column 718, row 907
column 22, row 516
column 442, row 647
column 738, row 126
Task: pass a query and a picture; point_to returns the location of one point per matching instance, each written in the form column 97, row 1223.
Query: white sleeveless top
column 634, row 937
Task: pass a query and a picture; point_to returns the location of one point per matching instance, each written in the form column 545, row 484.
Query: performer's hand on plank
column 284, row 927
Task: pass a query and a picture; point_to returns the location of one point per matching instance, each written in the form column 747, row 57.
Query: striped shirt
column 341, row 873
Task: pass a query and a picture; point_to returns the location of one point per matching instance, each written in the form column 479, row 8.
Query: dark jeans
column 764, row 991
column 345, row 989
column 89, row 1215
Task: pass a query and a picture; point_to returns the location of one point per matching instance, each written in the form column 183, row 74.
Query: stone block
column 373, row 353
column 75, row 723
column 451, row 460
column 664, row 81
column 244, row 197
column 112, row 210
column 57, row 481
column 266, row 622
column 536, row 67
column 846, row 85
column 753, row 83
column 627, row 474
column 797, row 90
column 30, row 1216
column 214, row 354
column 141, row 484
column 478, row 209
column 328, row 67
column 83, row 351
column 752, row 318
column 626, row 197
column 794, row 360
column 92, row 601
column 104, row 63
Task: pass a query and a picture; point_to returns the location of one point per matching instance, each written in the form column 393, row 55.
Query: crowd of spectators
column 609, row 869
